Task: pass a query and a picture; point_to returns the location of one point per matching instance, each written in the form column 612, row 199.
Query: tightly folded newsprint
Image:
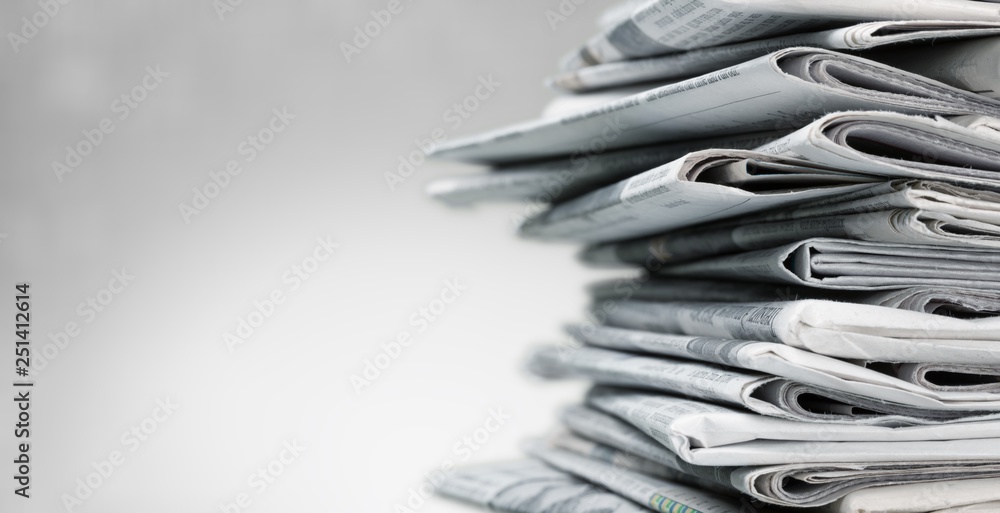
column 872, row 402
column 863, row 36
column 531, row 487
column 587, row 169
column 782, row 90
column 899, row 146
column 703, row 433
column 664, row 26
column 937, row 212
column 841, row 330
column 703, row 186
column 601, row 437
column 853, row 265
column 905, row 212
column 933, row 386
column 952, row 302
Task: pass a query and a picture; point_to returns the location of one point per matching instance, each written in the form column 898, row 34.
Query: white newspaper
column 531, row 487
column 972, row 65
column 899, row 146
column 930, row 386
column 782, row 90
column 841, row 330
column 863, row 36
column 703, row 186
column 884, row 401
column 666, row 26
column 712, row 435
column 654, row 493
column 588, row 169
column 900, row 211
column 956, row 496
column 791, row 485
column 963, row 303
column 853, row 265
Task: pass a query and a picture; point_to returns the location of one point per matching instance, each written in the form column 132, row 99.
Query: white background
column 162, row 336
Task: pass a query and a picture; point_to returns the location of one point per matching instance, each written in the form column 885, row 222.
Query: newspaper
column 840, row 330
column 863, row 36
column 666, row 26
column 654, row 493
column 853, row 265
column 899, row 211
column 677, row 471
column 962, row 303
column 791, row 485
column 971, row 65
column 896, row 145
column 531, row 487
column 699, row 187
column 707, row 434
column 931, row 386
column 782, row 90
column 956, row 496
column 760, row 393
column 588, row 169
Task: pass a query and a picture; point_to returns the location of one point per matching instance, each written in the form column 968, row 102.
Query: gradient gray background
column 162, row 337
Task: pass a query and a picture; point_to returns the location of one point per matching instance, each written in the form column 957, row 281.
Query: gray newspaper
column 587, row 169
column 531, row 487
column 899, row 146
column 840, row 330
column 899, row 211
column 703, row 186
column 873, row 399
column 794, row 485
column 863, row 36
column 658, row 27
column 962, row 303
column 930, row 386
column 853, row 265
column 708, row 434
column 782, row 90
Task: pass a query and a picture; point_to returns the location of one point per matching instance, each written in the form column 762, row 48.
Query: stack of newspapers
column 804, row 200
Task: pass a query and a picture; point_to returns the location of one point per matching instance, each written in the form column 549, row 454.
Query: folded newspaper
column 699, row 187
column 601, row 437
column 840, row 330
column 853, row 265
column 655, row 27
column 868, row 403
column 961, row 303
column 782, row 90
column 585, row 170
column 906, row 212
column 932, row 386
column 864, row 36
column 704, row 433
